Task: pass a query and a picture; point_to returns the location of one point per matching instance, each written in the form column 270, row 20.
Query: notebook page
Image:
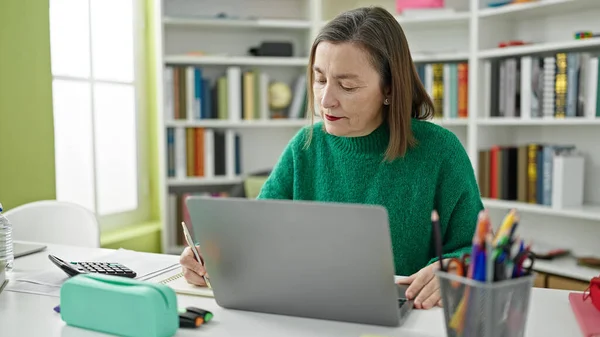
column 175, row 280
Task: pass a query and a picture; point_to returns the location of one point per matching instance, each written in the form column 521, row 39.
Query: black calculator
column 108, row 268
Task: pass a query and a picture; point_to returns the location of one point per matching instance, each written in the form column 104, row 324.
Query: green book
column 222, row 97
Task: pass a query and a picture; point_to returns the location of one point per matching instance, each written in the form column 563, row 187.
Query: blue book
column 198, row 93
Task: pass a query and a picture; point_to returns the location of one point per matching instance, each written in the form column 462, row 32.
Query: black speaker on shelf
column 278, row 49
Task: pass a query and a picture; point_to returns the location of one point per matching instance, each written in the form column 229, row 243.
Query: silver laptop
column 319, row 260
column 23, row 248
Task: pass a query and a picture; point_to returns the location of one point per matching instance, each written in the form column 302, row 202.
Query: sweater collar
column 374, row 143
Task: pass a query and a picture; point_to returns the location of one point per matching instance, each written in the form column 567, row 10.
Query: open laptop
column 24, row 248
column 319, row 260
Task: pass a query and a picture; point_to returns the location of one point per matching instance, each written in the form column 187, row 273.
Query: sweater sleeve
column 457, row 200
column 280, row 183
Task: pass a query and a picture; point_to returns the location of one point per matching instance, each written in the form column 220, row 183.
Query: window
column 98, row 124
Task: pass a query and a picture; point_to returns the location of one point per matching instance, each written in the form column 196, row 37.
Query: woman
column 374, row 147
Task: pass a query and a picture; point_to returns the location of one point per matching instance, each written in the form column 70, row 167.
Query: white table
column 24, row 314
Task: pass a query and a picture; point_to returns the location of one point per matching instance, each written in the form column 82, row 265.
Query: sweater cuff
column 455, row 254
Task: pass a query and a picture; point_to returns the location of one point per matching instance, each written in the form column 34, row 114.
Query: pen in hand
column 190, row 242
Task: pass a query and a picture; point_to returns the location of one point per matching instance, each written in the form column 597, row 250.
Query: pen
column 514, row 227
column 504, row 229
column 489, row 262
column 190, row 242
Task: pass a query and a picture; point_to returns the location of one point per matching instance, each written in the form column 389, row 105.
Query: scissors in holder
column 523, row 263
column 459, row 267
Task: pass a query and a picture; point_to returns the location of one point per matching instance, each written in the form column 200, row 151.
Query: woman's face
column 347, row 90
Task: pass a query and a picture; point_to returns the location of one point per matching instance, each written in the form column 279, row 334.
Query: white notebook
column 177, row 282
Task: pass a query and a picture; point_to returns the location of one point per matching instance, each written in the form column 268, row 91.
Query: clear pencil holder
column 478, row 309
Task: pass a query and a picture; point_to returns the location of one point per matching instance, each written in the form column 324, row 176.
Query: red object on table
column 586, row 308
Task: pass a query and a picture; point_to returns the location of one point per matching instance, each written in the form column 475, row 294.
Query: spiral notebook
column 175, row 280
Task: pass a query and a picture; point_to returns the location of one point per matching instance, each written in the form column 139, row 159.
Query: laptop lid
column 299, row 258
column 22, row 249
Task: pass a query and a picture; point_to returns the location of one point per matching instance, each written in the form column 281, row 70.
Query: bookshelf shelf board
column 585, row 212
column 457, row 17
column 538, row 8
column 226, row 124
column 200, row 181
column 453, row 122
column 537, row 121
column 439, row 57
column 229, row 23
column 540, row 48
column 237, row 60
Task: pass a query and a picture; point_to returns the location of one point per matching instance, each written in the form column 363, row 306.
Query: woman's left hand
column 425, row 286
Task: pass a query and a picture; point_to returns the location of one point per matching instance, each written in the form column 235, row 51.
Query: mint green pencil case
column 119, row 306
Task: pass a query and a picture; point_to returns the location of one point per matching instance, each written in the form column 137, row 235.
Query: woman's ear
column 387, row 95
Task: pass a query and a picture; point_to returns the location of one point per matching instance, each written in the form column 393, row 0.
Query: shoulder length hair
column 378, row 33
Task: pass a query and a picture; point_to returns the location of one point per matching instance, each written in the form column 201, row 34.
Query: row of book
column 202, row 152
column 235, row 95
column 543, row 174
column 177, row 213
column 563, row 85
column 448, row 86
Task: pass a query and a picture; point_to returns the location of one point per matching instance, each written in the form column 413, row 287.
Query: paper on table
column 32, row 288
column 144, row 264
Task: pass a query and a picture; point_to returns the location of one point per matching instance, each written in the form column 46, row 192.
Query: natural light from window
column 95, row 104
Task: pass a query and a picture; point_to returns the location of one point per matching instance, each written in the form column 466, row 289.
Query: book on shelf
column 542, row 174
column 448, row 86
column 237, row 94
column 563, row 85
column 177, row 212
column 194, row 152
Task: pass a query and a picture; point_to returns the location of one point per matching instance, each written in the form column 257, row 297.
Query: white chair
column 55, row 222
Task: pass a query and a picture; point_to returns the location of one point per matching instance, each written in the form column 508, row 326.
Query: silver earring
column 386, row 101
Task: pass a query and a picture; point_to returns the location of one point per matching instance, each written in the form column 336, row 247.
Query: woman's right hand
column 193, row 271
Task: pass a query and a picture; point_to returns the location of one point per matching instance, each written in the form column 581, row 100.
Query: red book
column 587, row 315
column 494, row 179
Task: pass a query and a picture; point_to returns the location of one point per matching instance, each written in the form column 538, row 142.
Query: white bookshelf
column 470, row 34
column 235, row 24
column 538, row 48
column 273, row 123
column 203, row 181
column 237, row 60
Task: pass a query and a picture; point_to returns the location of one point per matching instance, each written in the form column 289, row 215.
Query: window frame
column 139, row 83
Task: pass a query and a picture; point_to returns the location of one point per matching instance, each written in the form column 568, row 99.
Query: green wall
column 150, row 40
column 26, row 123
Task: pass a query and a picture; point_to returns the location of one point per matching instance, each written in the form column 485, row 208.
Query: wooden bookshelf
column 470, row 35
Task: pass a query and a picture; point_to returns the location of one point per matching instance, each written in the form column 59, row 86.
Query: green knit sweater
column 434, row 174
